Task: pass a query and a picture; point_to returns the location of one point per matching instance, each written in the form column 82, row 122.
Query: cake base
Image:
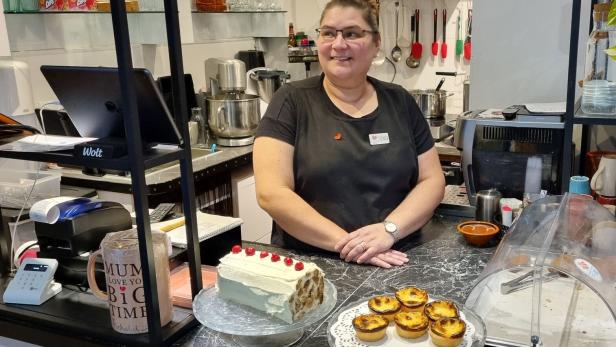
column 282, row 339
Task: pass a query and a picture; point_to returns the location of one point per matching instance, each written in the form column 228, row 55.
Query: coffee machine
column 233, row 115
column 515, row 155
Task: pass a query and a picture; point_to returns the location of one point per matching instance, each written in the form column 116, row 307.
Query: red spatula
column 434, row 43
column 467, row 41
column 444, row 44
column 417, row 48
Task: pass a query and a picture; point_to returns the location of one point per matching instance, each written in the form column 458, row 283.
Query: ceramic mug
column 125, row 293
column 604, row 180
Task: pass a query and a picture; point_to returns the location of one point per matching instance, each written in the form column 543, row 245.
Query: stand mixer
column 233, row 115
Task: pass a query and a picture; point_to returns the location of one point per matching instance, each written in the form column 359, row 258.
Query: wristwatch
column 392, row 229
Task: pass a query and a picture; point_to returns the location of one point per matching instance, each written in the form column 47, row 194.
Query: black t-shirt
column 339, row 171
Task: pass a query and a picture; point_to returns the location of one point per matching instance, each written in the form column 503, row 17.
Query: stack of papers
column 208, row 225
column 44, row 143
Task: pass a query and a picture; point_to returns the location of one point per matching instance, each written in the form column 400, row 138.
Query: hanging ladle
column 440, row 84
column 396, row 52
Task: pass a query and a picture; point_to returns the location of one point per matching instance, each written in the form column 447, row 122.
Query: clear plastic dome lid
column 552, row 280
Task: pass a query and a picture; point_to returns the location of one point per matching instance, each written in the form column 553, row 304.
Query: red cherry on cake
column 299, row 266
column 250, row 251
column 264, row 254
column 288, row 261
column 236, row 249
column 275, row 257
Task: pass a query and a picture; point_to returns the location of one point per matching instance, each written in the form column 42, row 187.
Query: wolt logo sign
column 92, row 152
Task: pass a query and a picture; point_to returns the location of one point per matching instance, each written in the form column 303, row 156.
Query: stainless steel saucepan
column 431, row 102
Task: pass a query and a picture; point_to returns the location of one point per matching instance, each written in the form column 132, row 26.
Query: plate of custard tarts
column 407, row 318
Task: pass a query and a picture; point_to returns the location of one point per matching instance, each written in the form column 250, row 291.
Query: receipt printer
column 82, row 233
column 71, row 239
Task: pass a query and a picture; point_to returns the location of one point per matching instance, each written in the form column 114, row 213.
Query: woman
column 344, row 162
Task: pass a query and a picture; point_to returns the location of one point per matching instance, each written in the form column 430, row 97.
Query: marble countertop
column 440, row 262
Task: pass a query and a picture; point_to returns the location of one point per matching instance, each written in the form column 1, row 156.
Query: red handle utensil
column 444, row 45
column 467, row 41
column 434, row 43
column 417, row 49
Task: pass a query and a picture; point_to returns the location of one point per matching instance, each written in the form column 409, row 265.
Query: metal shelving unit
column 78, row 314
column 573, row 114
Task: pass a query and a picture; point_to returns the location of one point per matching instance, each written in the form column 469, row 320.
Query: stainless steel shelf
column 223, row 12
column 73, row 12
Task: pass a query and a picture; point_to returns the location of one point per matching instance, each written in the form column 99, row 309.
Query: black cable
column 6, row 129
column 395, row 70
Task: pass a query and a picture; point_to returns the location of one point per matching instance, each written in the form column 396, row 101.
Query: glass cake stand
column 340, row 332
column 250, row 327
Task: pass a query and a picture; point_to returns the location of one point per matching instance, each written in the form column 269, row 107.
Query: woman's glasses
column 348, row 34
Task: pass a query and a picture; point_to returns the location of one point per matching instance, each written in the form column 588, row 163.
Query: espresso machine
column 233, row 115
column 515, row 155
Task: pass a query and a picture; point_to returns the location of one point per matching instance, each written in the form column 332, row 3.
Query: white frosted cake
column 282, row 287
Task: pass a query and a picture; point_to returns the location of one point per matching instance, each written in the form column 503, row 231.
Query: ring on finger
column 363, row 246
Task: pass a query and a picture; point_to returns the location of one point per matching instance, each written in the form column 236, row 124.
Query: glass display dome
column 552, row 280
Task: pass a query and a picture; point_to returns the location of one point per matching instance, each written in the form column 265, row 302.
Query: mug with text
column 123, row 274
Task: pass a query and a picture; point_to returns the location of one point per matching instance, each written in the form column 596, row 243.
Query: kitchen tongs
column 526, row 281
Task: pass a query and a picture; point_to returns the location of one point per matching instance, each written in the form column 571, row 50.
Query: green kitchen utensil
column 459, row 42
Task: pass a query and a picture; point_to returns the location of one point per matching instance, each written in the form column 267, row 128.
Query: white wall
column 521, row 51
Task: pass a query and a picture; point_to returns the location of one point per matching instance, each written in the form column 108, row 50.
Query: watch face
column 390, row 227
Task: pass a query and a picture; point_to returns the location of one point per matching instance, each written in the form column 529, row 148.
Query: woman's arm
column 274, row 180
column 410, row 215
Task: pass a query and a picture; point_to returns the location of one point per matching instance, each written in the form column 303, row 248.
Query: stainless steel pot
column 431, row 102
column 268, row 82
column 233, row 115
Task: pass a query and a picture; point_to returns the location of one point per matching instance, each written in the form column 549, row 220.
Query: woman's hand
column 389, row 258
column 365, row 243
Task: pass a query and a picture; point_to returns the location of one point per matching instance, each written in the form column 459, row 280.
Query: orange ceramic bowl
column 478, row 233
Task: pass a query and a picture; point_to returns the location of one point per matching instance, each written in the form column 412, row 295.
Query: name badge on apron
column 379, row 139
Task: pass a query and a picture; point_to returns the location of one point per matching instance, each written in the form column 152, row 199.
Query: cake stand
column 250, row 327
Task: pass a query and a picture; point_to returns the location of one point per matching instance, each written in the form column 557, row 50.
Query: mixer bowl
column 233, row 115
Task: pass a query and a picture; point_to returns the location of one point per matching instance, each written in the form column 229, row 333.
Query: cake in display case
column 552, row 280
